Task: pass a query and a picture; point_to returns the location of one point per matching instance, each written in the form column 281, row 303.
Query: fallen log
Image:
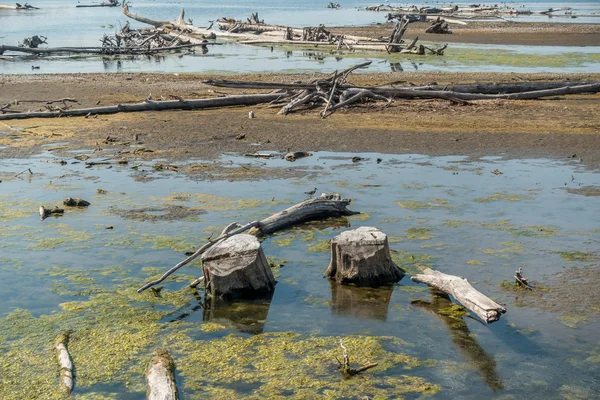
column 362, row 257
column 160, row 377
column 65, row 363
column 324, row 206
column 237, row 268
column 77, row 202
column 150, row 105
column 459, row 288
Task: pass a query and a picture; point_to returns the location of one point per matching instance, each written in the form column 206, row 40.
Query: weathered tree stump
column 362, row 257
column 237, row 268
column 160, row 378
column 459, row 288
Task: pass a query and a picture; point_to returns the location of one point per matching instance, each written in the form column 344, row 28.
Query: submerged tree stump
column 237, row 268
column 362, row 257
column 160, row 377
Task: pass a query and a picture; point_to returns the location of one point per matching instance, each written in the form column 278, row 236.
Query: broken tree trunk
column 237, row 268
column 362, row 257
column 324, row 206
column 150, row 105
column 459, row 288
column 65, row 363
column 160, row 377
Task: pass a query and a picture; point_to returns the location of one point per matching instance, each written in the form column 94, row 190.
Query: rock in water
column 362, row 257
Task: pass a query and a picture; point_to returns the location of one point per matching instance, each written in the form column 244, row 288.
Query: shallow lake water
column 79, row 271
column 65, row 25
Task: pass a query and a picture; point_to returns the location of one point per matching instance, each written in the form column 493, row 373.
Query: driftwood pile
column 473, row 11
column 335, row 6
column 330, row 94
column 18, row 6
column 126, row 41
column 108, row 3
column 439, row 26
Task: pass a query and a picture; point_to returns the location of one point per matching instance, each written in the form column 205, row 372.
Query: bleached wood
column 459, row 288
column 160, row 378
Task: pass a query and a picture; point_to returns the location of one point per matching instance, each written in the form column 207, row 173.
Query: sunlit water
column 528, row 353
column 66, row 25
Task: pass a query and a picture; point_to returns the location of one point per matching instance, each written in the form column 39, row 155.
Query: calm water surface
column 65, row 25
column 447, row 212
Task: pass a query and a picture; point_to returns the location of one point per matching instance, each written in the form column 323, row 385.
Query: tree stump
column 362, row 257
column 237, row 268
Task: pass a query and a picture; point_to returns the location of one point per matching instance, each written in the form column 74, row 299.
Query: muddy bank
column 487, row 32
column 562, row 127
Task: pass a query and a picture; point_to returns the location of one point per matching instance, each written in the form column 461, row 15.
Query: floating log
column 237, row 268
column 459, row 288
column 65, row 363
column 46, row 212
column 160, row 377
column 324, row 206
column 362, row 257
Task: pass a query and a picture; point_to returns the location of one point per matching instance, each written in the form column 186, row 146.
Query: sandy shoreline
column 487, row 32
column 563, row 127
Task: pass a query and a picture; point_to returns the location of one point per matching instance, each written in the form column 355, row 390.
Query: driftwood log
column 459, row 288
column 362, row 257
column 160, row 377
column 237, row 268
column 151, row 105
column 18, row 6
column 64, row 362
column 324, row 206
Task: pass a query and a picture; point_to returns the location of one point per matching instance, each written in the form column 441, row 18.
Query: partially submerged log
column 459, row 288
column 65, row 363
column 237, row 268
column 160, row 377
column 324, row 206
column 46, row 212
column 345, row 366
column 77, row 202
column 362, row 257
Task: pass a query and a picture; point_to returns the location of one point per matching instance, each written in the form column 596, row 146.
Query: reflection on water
column 247, row 316
column 464, row 340
column 450, row 213
column 360, row 302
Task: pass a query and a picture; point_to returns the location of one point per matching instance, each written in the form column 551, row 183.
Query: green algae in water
column 508, row 250
column 572, row 256
column 61, row 235
column 475, row 262
column 572, row 320
column 275, row 365
column 419, row 233
column 212, row 327
column 320, row 246
column 363, row 216
column 11, row 210
column 502, row 196
column 454, row 311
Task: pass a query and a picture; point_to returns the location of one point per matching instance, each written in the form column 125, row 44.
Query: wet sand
column 566, row 127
